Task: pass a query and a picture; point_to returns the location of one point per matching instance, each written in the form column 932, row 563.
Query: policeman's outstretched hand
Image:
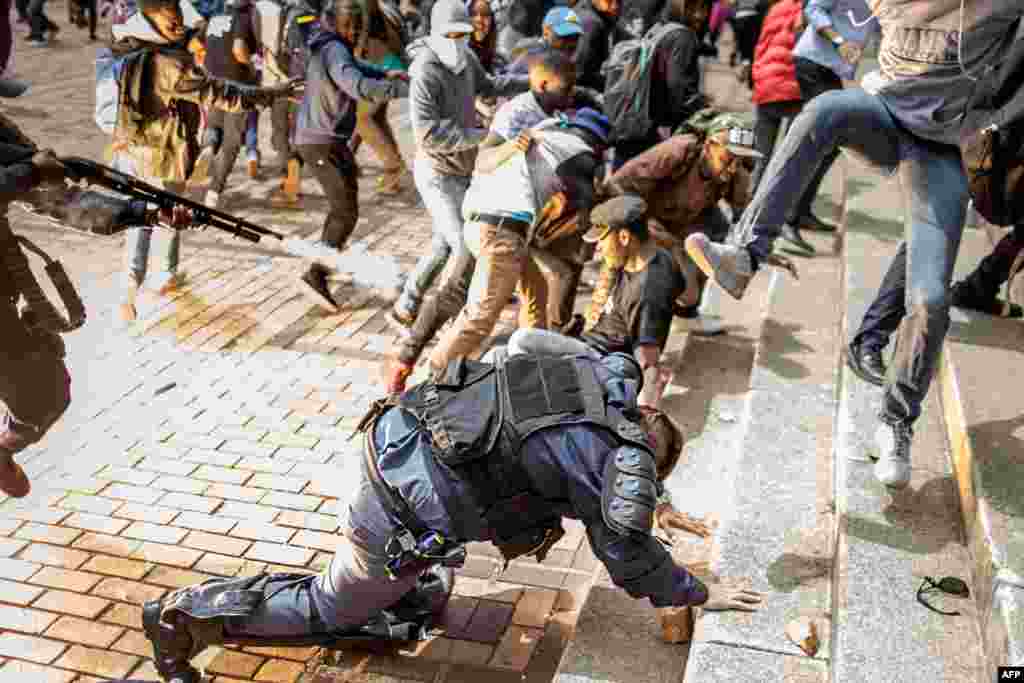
column 671, row 521
column 524, row 141
column 397, row 75
column 51, row 171
column 723, row 596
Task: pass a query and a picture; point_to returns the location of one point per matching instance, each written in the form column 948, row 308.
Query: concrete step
column 982, row 407
column 618, row 639
column 776, row 536
column 888, row 541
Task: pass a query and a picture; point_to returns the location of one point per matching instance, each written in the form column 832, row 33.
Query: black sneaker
column 865, row 363
column 791, row 235
column 812, row 222
column 171, row 646
column 314, row 286
column 962, row 295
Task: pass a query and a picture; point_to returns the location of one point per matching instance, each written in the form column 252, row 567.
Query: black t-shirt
column 221, row 33
column 639, row 308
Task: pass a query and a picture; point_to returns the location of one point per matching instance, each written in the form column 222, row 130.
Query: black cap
column 626, row 211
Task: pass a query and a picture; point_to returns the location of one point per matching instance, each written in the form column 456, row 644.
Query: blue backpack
column 109, row 68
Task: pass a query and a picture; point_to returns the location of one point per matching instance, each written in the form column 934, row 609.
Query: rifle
column 130, row 186
column 371, row 269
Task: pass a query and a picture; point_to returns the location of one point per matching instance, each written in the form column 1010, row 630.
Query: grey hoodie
column 441, row 105
column 927, row 67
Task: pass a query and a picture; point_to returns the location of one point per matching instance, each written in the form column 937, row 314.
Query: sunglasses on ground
column 950, row 585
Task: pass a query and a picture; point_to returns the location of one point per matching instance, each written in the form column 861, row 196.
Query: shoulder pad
column 630, row 491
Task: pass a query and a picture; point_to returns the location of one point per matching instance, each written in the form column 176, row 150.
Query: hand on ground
column 671, row 521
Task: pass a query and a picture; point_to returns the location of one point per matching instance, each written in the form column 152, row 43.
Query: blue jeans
column 442, row 194
column 935, row 202
column 138, row 240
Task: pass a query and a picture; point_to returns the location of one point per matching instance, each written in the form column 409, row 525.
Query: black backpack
column 627, row 91
column 993, row 153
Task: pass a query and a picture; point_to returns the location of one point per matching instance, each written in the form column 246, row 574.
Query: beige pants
column 501, row 260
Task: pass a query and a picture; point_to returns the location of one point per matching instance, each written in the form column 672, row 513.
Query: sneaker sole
column 315, row 297
column 855, row 368
column 699, row 258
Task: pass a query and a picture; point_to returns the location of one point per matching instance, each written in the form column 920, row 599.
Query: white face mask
column 451, row 52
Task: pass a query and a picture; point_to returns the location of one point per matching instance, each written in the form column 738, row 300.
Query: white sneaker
column 702, row 325
column 893, row 466
column 212, row 200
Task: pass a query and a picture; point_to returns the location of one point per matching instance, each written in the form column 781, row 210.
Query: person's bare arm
column 495, row 150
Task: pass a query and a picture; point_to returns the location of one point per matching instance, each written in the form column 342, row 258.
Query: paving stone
column 85, row 606
column 235, row 663
column 22, row 672
column 18, row 593
column 533, row 574
column 178, row 468
column 259, row 531
column 247, row 511
column 291, row 440
column 499, row 591
column 191, row 502
column 516, row 648
column 248, row 448
column 136, row 494
column 717, row 663
column 316, row 539
column 54, row 555
column 24, row 619
column 80, row 484
column 9, row 546
column 301, row 455
column 166, row 554
column 292, row 501
column 295, row 654
column 280, row 671
column 117, row 566
column 125, row 615
column 128, row 475
column 223, row 565
column 224, row 475
column 128, row 591
column 245, row 494
column 133, row 643
column 182, row 484
column 43, row 533
column 39, row 650
column 154, row 514
column 488, row 621
column 99, row 523
column 216, row 543
column 210, row 523
column 42, row 515
column 534, row 607
column 91, row 633
column 278, row 482
column 99, row 662
column 108, row 545
column 277, row 553
column 175, row 578
column 219, row 458
column 65, row 579
column 154, row 532
column 470, row 653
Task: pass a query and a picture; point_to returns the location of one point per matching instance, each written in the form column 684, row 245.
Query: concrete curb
column 999, row 592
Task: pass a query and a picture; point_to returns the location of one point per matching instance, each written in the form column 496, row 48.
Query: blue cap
column 594, row 121
column 563, row 21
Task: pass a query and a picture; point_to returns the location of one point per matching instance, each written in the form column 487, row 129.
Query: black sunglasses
column 949, row 585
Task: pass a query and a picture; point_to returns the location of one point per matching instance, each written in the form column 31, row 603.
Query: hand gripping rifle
column 130, row 186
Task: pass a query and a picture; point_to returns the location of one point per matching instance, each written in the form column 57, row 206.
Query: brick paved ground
column 210, row 439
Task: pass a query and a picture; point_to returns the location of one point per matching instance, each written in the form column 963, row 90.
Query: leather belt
column 515, row 225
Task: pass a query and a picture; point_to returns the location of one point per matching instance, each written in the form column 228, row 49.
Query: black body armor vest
column 480, row 414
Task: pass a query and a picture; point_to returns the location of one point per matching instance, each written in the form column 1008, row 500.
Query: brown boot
column 13, row 480
column 292, row 181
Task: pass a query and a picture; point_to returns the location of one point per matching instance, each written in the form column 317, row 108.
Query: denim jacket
column 931, row 52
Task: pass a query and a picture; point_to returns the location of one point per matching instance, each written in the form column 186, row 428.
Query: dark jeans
column 334, row 167
column 748, row 30
column 626, row 150
column 934, row 189
column 35, row 388
column 40, row 22
column 280, row 131
column 6, row 34
column 232, row 126
column 887, row 310
column 814, row 80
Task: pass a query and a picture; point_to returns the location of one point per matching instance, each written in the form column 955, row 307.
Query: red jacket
column 774, row 75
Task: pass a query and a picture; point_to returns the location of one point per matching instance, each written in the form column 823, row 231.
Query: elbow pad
column 630, row 492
